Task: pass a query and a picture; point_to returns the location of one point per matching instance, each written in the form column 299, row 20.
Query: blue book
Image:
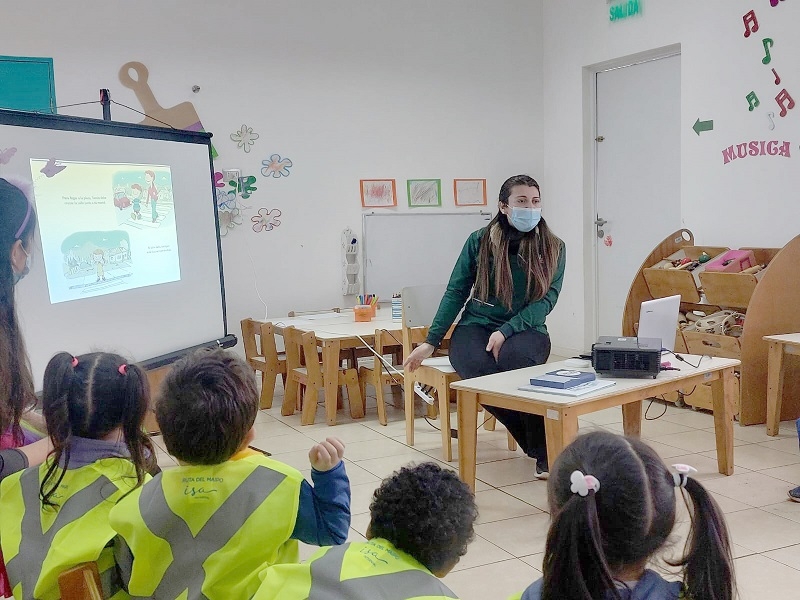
column 563, row 379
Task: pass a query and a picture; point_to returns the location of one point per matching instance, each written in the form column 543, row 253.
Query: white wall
column 420, row 89
column 346, row 90
column 748, row 202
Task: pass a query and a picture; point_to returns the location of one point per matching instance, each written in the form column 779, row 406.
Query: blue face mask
column 25, row 271
column 524, row 219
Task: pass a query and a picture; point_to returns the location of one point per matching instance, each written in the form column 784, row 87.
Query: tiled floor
column 507, row 552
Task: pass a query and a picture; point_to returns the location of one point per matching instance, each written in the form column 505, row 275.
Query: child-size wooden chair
column 81, row 582
column 311, row 377
column 262, row 354
column 349, row 355
column 378, row 375
column 420, row 304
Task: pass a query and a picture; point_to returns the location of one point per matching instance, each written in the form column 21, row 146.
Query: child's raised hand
column 326, row 455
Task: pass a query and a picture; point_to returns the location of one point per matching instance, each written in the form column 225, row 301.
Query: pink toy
column 732, row 261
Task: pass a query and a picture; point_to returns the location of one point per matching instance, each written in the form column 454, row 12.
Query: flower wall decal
column 266, row 220
column 244, row 186
column 226, row 199
column 228, row 219
column 276, row 166
column 245, row 138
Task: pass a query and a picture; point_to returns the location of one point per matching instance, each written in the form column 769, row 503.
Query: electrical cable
column 680, row 358
column 78, row 104
column 141, row 113
column 111, row 100
column 255, row 280
column 646, row 418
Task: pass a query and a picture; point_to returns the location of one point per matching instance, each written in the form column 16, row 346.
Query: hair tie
column 24, row 221
column 581, row 484
column 123, row 369
column 74, row 361
column 682, row 476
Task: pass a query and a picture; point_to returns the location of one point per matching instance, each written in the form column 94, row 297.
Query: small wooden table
column 335, row 332
column 561, row 412
column 779, row 347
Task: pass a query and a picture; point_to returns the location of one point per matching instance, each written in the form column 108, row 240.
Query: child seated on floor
column 207, row 527
column 421, row 523
column 612, row 504
column 56, row 516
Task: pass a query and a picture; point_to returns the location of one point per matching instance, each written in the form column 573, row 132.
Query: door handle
column 600, row 221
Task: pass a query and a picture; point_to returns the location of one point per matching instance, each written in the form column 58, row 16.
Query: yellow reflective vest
column 205, row 531
column 39, row 543
column 374, row 570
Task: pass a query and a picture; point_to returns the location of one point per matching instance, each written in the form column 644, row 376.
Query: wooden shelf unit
column 770, row 300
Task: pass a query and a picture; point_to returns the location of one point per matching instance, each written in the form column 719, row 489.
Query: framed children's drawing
column 424, row 192
column 378, row 193
column 469, row 192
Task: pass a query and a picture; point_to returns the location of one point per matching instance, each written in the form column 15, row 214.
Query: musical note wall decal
column 785, row 101
column 753, row 101
column 750, row 23
column 771, row 116
column 768, row 43
column 777, row 79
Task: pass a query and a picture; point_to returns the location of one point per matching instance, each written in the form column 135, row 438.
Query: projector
column 627, row 356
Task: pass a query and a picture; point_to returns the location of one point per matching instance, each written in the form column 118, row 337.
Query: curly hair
column 427, row 512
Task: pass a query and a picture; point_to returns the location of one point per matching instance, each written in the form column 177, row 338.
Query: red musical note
column 750, row 23
column 777, row 79
column 782, row 97
column 753, row 101
column 774, row 3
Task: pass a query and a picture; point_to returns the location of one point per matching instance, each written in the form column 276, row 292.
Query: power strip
column 419, row 389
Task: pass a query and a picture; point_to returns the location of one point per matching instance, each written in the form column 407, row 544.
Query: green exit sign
column 623, row 10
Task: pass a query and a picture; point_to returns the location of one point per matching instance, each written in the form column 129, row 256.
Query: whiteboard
column 408, row 249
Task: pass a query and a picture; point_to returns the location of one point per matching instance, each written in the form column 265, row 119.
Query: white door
column 637, row 201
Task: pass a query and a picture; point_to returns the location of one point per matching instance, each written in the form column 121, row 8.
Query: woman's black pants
column 470, row 359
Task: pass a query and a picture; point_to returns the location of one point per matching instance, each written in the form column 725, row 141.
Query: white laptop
column 659, row 319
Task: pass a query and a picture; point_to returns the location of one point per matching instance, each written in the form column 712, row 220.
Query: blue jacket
column 650, row 587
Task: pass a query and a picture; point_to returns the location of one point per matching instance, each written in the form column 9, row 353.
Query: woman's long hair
column 593, row 538
column 17, row 223
column 539, row 252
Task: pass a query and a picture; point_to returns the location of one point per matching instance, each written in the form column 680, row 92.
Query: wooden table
column 335, row 332
column 561, row 412
column 779, row 347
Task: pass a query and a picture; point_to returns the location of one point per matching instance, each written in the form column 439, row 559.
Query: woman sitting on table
column 507, row 279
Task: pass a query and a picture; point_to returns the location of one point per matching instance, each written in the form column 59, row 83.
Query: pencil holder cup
column 373, row 309
column 362, row 312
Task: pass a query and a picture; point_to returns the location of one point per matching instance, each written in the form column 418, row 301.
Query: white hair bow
column 581, row 484
column 682, row 474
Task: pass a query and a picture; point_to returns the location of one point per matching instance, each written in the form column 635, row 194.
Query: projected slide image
column 143, row 198
column 105, row 228
column 104, row 254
